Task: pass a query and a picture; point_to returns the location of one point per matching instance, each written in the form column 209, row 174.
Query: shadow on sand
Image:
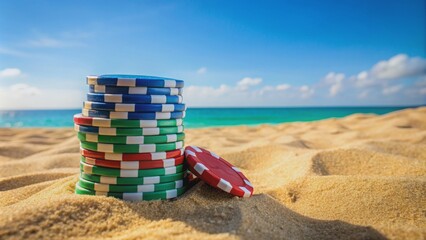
column 259, row 217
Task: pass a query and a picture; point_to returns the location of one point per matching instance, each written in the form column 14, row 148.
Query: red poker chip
column 135, row 164
column 82, row 120
column 217, row 172
column 132, row 156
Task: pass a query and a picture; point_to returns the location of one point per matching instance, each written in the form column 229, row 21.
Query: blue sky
column 230, row 53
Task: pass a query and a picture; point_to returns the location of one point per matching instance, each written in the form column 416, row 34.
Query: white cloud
column 266, row 89
column 245, row 92
column 282, row 87
column 397, row 67
column 22, row 89
column 392, row 89
column 206, row 91
column 278, row 88
column 335, row 80
column 335, row 88
column 247, row 82
column 10, row 73
column 202, row 70
column 422, row 91
column 223, row 95
column 24, row 96
column 363, row 79
column 306, row 91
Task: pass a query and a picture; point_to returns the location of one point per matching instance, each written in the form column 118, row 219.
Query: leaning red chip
column 217, row 172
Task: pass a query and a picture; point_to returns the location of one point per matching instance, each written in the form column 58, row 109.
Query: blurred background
column 243, row 63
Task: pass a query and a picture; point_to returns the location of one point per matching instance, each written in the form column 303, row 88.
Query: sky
column 230, row 53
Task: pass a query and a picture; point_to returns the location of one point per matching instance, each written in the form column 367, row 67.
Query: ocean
column 200, row 117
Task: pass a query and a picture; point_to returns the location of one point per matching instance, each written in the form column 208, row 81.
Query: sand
column 360, row 177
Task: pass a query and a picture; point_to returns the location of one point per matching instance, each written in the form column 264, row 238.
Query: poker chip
column 131, row 107
column 131, row 148
column 120, row 123
column 135, row 196
column 131, row 137
column 128, row 98
column 128, row 131
column 133, row 165
column 130, row 188
column 132, row 156
column 217, row 172
column 132, row 115
column 135, row 90
column 134, row 81
column 132, row 180
column 91, row 137
column 114, row 172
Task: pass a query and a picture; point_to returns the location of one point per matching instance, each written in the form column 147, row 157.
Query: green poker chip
column 90, row 137
column 107, row 131
column 133, row 196
column 115, row 172
column 130, row 188
column 132, row 180
column 131, row 148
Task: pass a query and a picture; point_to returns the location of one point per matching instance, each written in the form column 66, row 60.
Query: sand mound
column 367, row 163
column 361, row 177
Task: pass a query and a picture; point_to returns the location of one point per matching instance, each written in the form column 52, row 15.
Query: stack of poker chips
column 131, row 136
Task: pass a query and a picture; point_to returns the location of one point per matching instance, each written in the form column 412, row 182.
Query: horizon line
column 234, row 107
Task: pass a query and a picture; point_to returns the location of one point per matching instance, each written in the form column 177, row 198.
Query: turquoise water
column 200, row 117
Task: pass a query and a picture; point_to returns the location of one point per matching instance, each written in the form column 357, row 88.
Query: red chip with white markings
column 132, row 156
column 133, row 165
column 217, row 172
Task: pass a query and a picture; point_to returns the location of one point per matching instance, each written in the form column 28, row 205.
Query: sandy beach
column 360, row 177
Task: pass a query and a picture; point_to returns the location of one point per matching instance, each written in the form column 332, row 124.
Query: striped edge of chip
column 132, row 156
column 79, row 119
column 205, row 164
column 134, row 165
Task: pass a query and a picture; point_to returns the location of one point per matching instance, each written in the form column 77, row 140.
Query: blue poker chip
column 87, row 129
column 133, row 115
column 131, row 107
column 134, row 90
column 129, row 98
column 134, row 81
